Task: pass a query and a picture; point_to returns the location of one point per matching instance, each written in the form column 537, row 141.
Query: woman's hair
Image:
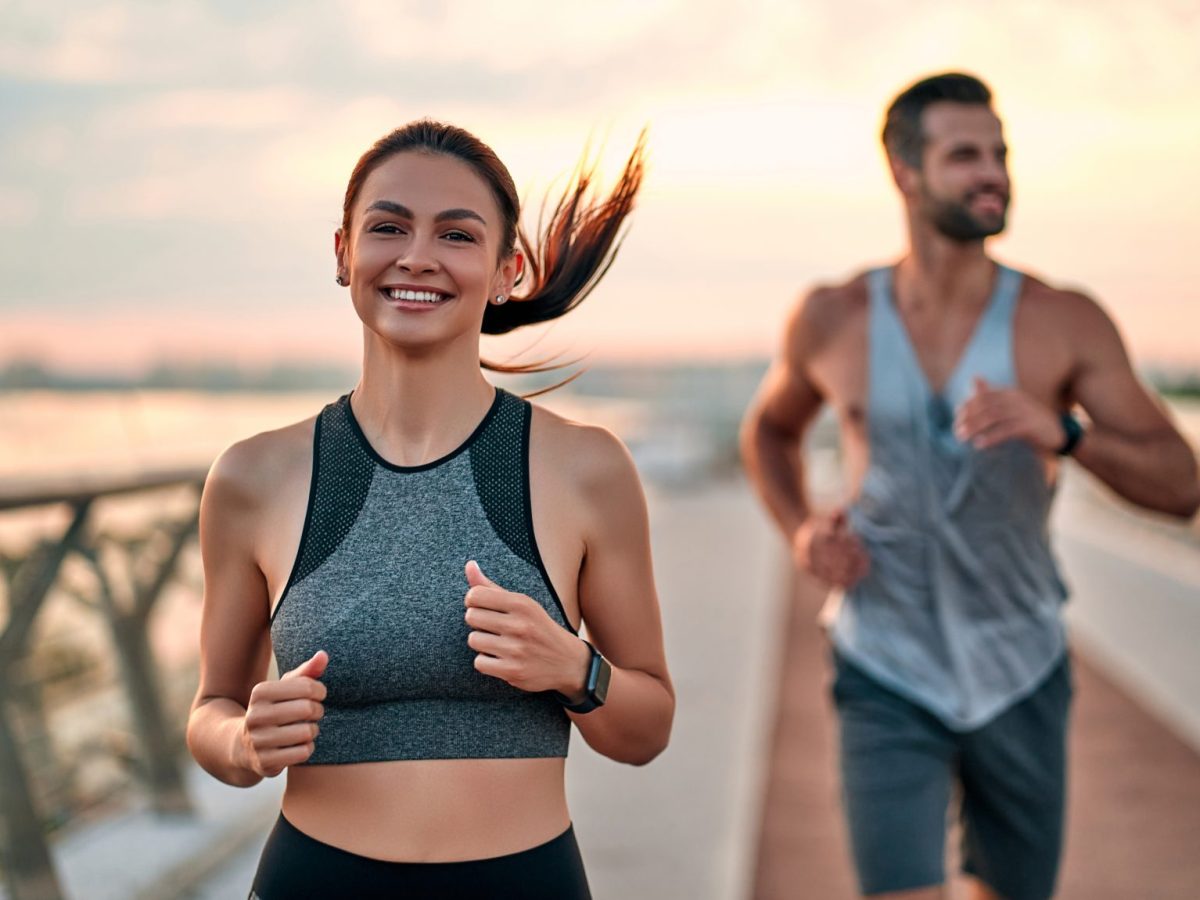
column 574, row 248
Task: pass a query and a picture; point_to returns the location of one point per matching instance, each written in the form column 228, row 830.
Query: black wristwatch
column 1073, row 430
column 595, row 688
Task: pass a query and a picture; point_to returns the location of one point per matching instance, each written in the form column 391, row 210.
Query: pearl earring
column 500, row 300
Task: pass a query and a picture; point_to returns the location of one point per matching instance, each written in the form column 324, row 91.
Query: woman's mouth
column 413, row 297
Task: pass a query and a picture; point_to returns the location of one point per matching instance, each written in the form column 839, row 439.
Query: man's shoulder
column 839, row 293
column 1059, row 307
column 829, row 305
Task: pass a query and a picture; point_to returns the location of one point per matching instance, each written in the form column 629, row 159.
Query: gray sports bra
column 378, row 583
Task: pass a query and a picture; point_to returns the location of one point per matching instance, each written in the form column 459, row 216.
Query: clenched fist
column 280, row 726
column 515, row 640
column 826, row 547
column 991, row 416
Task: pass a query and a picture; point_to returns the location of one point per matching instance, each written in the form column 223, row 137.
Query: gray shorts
column 900, row 766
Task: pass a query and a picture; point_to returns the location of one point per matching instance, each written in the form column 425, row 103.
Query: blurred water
column 49, row 432
column 45, row 433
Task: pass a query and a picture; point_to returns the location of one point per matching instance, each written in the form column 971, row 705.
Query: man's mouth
column 989, row 202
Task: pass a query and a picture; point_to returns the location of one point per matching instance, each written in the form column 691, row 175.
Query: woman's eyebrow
column 459, row 213
column 399, row 209
column 390, row 207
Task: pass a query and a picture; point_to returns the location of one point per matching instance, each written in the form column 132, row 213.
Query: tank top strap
column 990, row 352
column 896, row 384
column 996, row 324
column 879, row 294
column 891, row 352
column 500, row 468
column 342, row 473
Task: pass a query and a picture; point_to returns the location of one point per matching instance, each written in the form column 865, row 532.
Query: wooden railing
column 129, row 570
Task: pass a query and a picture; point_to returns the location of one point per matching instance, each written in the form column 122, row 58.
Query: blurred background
column 170, row 178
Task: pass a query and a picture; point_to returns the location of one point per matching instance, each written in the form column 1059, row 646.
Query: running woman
column 419, row 558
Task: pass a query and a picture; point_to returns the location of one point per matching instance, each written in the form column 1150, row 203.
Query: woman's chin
column 419, row 337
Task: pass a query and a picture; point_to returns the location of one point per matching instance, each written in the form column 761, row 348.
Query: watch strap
column 595, row 686
column 1073, row 429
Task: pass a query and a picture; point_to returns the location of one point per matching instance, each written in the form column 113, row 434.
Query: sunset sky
column 171, row 173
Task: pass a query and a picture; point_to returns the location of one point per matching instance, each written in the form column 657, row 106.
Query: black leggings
column 295, row 866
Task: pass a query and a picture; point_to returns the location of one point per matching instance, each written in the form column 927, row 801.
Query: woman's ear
column 510, row 274
column 342, row 275
column 519, row 258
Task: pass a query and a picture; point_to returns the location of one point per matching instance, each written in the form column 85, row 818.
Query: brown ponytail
column 573, row 251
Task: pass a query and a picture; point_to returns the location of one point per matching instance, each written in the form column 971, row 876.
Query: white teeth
column 415, row 296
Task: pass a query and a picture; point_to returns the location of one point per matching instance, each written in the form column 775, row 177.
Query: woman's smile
column 419, row 299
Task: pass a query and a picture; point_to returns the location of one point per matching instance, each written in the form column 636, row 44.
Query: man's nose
column 996, row 171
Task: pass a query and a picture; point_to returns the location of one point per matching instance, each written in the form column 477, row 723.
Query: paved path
column 684, row 828
column 1135, row 605
column 1134, row 812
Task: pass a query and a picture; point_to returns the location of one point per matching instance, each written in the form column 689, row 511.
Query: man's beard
column 955, row 220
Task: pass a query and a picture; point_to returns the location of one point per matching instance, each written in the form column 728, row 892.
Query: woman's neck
column 417, row 407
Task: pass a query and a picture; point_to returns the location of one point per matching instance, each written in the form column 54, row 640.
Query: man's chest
column 1039, row 356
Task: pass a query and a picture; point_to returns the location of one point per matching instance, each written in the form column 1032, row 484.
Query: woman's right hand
column 280, row 725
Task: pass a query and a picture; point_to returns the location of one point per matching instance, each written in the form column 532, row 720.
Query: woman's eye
column 459, row 236
column 387, row 228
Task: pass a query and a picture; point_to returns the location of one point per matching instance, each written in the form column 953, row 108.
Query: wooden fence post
column 28, row 866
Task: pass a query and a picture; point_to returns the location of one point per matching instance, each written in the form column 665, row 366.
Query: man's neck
column 939, row 273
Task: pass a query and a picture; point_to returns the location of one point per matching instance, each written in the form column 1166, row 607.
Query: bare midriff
column 430, row 810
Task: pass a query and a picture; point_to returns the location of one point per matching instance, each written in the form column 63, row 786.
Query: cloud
column 173, row 153
column 208, row 109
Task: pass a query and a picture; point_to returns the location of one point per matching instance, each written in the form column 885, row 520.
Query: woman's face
column 423, row 251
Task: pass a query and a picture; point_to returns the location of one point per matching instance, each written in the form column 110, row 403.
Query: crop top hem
column 481, row 728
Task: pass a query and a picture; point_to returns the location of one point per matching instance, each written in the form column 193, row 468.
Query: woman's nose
column 417, row 256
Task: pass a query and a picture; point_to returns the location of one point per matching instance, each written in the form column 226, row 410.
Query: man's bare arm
column 773, row 430
column 772, row 439
column 1132, row 445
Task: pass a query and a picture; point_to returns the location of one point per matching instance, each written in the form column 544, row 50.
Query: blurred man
column 953, row 379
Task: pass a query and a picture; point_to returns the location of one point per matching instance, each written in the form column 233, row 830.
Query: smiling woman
column 572, row 254
column 415, row 557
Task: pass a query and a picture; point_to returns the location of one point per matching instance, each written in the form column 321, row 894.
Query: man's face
column 962, row 187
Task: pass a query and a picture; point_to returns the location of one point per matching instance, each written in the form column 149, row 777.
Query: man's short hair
column 903, row 136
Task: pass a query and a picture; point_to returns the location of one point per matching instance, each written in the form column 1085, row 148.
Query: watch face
column 599, row 691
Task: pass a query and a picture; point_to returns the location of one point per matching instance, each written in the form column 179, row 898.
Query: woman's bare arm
column 242, row 727
column 619, row 604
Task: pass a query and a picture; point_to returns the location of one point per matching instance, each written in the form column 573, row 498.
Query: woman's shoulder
column 256, row 468
column 591, row 456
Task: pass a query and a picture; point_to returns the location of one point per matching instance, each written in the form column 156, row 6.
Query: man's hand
column 991, row 416
column 826, row 547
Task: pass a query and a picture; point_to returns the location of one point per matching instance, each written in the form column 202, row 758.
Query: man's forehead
column 949, row 121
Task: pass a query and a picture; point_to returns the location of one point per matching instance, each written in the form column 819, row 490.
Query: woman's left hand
column 516, row 640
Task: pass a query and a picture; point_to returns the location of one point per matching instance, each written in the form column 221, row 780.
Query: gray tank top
column 960, row 611
column 378, row 583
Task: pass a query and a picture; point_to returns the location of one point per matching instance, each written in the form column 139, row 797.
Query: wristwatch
column 1074, row 431
column 595, row 688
